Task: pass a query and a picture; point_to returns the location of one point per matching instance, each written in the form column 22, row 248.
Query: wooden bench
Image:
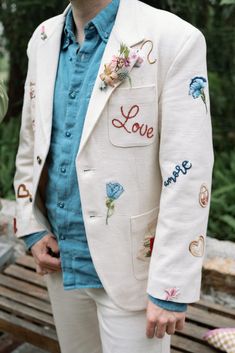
column 25, row 312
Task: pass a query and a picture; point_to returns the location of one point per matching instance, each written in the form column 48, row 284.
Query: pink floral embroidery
column 146, row 249
column 118, row 69
column 172, row 293
column 43, row 33
column 32, row 90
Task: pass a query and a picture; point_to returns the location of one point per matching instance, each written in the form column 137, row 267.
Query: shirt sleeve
column 33, row 238
column 168, row 305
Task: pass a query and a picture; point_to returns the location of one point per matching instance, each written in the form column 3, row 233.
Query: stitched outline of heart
column 25, row 191
column 196, row 247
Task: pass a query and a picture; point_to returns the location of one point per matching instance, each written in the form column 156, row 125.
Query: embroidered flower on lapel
column 43, row 33
column 118, row 69
column 172, row 293
column 113, row 191
column 196, row 89
column 32, row 90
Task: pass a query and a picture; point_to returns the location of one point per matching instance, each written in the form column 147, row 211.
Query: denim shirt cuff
column 33, row 238
column 168, row 305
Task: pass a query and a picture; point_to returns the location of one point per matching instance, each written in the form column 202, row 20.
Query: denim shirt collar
column 102, row 24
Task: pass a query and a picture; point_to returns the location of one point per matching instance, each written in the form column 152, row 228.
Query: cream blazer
column 145, row 160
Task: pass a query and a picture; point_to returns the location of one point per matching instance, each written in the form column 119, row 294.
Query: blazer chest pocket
column 132, row 116
column 143, row 228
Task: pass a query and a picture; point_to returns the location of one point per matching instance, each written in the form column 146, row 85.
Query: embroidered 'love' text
column 143, row 129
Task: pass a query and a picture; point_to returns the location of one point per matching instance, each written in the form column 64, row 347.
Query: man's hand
column 46, row 255
column 161, row 321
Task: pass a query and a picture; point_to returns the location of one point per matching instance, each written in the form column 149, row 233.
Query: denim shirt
column 77, row 71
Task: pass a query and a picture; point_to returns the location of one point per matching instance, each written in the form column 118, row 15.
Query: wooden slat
column 25, row 274
column 25, row 299
column 189, row 346
column 208, row 319
column 31, row 333
column 26, row 312
column 23, row 287
column 215, row 308
column 193, row 330
column 26, row 261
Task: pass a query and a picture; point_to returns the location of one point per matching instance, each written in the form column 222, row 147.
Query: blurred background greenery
column 215, row 18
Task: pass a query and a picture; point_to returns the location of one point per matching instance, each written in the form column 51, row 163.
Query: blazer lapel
column 124, row 31
column 48, row 57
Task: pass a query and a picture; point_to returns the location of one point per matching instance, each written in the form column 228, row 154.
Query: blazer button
column 39, row 160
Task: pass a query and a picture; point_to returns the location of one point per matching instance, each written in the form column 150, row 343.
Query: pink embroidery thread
column 32, row 90
column 43, row 33
column 172, row 293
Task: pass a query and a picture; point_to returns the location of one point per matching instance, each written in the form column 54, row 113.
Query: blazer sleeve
column 186, row 162
column 23, row 179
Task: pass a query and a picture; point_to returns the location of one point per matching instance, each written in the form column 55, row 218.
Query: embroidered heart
column 196, row 247
column 23, row 191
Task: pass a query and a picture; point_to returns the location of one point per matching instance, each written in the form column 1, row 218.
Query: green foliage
column 19, row 19
column 222, row 214
column 9, row 132
column 3, row 101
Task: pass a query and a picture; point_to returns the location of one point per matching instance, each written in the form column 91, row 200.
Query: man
column 3, row 101
column 113, row 172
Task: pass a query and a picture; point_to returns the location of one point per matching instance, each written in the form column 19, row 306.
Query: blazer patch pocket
column 143, row 228
column 132, row 116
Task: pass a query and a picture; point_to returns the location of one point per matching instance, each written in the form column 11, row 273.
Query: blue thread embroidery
column 186, row 165
column 196, row 89
column 113, row 191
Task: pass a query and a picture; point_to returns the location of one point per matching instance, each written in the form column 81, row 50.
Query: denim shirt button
column 68, row 134
column 72, row 95
column 63, row 170
column 62, row 237
column 61, row 204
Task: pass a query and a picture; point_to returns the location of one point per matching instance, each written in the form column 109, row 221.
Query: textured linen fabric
column 222, row 338
column 89, row 321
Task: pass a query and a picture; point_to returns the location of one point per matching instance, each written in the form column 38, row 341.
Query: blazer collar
column 125, row 30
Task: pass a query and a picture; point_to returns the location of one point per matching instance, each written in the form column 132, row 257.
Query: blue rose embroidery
column 196, row 89
column 113, row 191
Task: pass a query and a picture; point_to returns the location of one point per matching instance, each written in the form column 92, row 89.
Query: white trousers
column 87, row 321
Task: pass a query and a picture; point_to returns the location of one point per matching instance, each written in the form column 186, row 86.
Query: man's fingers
column 46, row 260
column 171, row 325
column 53, row 245
column 180, row 324
column 150, row 328
column 161, row 328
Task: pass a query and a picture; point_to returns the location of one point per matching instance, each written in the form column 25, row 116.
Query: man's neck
column 84, row 11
